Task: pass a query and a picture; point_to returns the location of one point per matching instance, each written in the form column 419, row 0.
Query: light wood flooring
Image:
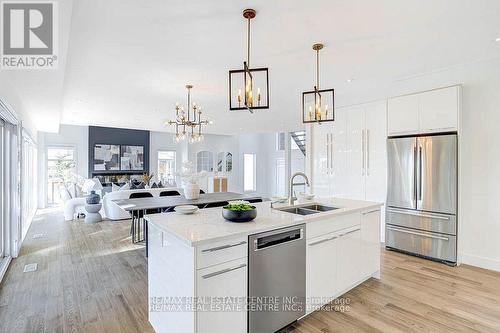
column 90, row 278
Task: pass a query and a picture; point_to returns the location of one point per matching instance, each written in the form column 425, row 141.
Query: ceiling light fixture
column 315, row 103
column 497, row 40
column 248, row 80
column 185, row 120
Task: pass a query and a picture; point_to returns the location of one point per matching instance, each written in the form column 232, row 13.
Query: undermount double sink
column 307, row 210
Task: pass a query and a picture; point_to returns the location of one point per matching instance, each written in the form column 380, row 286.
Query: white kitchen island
column 202, row 256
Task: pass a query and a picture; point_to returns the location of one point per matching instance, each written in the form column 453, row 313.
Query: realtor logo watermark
column 29, row 35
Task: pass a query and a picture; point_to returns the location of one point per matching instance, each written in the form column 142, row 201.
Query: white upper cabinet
column 439, row 110
column 427, row 112
column 402, row 115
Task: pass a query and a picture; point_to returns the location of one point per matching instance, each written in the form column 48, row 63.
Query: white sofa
column 114, row 212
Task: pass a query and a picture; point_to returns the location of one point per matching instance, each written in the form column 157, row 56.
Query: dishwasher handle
column 277, row 239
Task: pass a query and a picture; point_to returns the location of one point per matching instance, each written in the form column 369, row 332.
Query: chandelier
column 245, row 84
column 318, row 104
column 188, row 124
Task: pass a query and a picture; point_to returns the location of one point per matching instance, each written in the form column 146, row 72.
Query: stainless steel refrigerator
column 421, row 213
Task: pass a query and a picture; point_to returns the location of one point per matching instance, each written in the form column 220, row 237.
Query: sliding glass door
column 2, row 191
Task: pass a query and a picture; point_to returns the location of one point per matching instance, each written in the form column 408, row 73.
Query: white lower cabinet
column 321, row 271
column 341, row 259
column 224, row 282
column 370, row 228
column 349, row 259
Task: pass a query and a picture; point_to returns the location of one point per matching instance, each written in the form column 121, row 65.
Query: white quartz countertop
column 208, row 225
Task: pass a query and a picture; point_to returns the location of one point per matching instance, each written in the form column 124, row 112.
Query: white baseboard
column 483, row 262
column 4, row 264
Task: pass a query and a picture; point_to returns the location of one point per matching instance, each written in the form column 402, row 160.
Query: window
column 2, row 192
column 249, row 172
column 205, row 161
column 61, row 166
column 166, row 167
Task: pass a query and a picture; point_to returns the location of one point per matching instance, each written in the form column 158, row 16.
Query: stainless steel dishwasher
column 277, row 278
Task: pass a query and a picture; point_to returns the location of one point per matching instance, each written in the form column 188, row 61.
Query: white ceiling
column 128, row 61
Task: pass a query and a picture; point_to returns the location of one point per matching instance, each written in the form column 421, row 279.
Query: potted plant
column 190, row 178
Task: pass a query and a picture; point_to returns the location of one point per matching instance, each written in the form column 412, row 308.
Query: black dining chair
column 202, row 192
column 138, row 217
column 169, row 193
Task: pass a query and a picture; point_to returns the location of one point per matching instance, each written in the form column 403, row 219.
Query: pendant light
column 188, row 121
column 248, row 87
column 318, row 104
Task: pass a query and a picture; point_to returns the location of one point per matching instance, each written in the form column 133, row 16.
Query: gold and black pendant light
column 318, row 104
column 248, row 87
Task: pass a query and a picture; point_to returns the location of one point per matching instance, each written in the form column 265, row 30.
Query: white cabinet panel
column 370, row 230
column 321, row 272
column 350, row 259
column 439, row 110
column 376, row 152
column 339, row 184
column 355, row 152
column 218, row 283
column 320, row 155
column 402, row 115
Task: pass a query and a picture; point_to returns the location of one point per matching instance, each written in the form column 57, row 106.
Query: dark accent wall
column 117, row 136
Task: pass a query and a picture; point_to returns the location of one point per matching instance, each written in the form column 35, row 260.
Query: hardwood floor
column 91, row 278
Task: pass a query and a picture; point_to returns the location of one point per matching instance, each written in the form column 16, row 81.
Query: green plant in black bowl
column 239, row 212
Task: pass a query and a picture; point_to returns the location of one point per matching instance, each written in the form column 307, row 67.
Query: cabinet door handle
column 367, row 152
column 227, row 270
column 350, row 232
column 223, row 247
column 327, row 153
column 323, row 241
column 418, row 234
column 331, row 153
column 371, row 211
column 362, row 152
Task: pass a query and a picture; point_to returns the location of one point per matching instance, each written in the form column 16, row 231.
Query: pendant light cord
column 248, row 44
column 317, row 69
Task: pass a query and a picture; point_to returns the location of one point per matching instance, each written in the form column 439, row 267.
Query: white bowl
column 186, row 209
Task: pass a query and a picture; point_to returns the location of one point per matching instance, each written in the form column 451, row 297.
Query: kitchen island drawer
column 332, row 224
column 222, row 251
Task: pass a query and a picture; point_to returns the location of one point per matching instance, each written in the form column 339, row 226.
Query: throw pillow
column 160, row 185
column 114, row 187
column 125, row 187
column 154, row 185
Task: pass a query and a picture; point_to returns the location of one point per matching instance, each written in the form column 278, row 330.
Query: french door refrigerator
column 421, row 213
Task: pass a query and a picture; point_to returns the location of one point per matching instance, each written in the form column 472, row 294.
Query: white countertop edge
column 299, row 219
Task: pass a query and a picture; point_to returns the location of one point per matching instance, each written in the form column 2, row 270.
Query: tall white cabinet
column 348, row 157
column 349, row 154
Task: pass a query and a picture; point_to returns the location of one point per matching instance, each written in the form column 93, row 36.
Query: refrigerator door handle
column 419, row 173
column 415, row 213
column 415, row 175
column 418, row 233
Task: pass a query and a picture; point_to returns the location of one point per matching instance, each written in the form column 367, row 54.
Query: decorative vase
column 93, row 198
column 191, row 191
